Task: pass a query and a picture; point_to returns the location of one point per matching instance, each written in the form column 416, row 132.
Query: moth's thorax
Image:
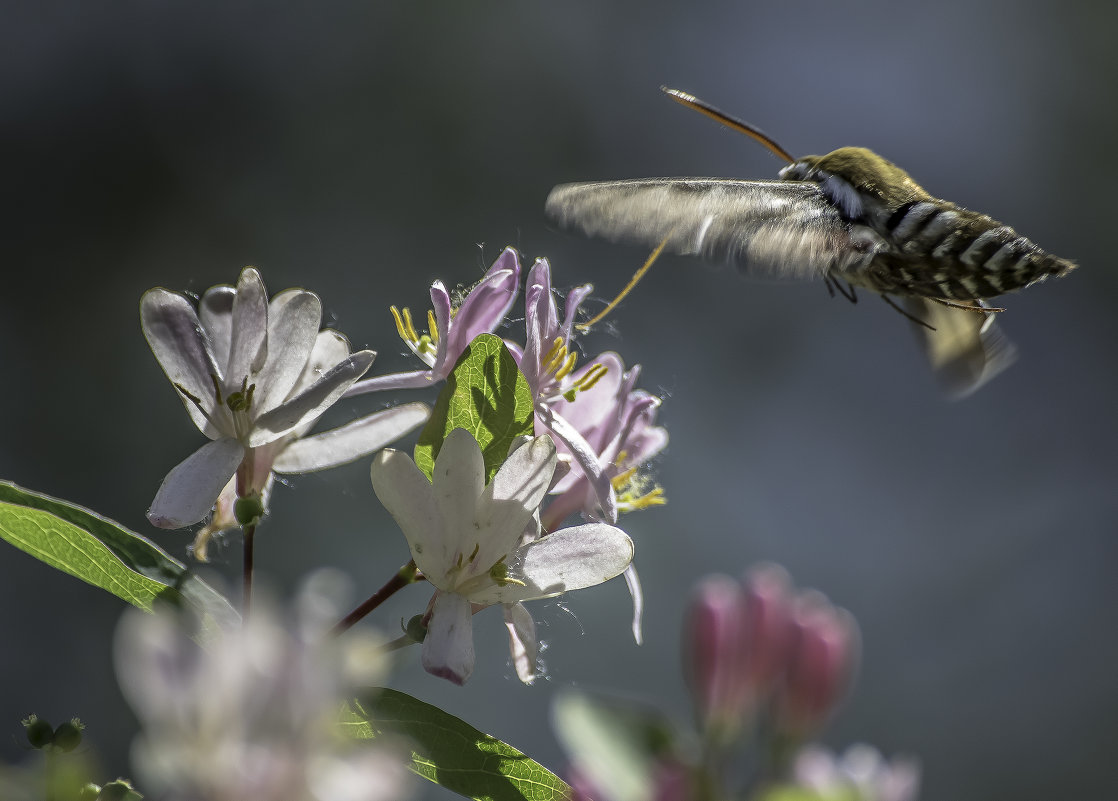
column 862, row 184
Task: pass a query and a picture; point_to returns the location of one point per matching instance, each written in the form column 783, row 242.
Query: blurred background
column 364, row 149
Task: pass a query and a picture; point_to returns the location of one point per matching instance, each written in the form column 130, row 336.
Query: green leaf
column 616, row 745
column 452, row 753
column 487, row 395
column 107, row 555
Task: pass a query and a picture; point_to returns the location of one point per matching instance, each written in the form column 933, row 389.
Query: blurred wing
column 781, row 228
column 966, row 349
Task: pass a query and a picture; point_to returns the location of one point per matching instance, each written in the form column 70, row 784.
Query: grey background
column 364, row 149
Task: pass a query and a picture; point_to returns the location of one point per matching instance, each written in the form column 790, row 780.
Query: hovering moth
column 850, row 218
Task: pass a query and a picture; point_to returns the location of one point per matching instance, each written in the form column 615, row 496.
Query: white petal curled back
column 405, row 492
column 524, row 646
column 448, row 649
column 308, row 406
column 191, row 488
column 570, row 559
column 176, row 338
column 352, row 441
column 293, row 319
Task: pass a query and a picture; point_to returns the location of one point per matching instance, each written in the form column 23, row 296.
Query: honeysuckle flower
column 479, row 544
column 595, row 415
column 254, row 715
column 451, row 329
column 254, row 376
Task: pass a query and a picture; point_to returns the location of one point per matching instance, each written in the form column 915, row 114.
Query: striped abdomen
column 939, row 250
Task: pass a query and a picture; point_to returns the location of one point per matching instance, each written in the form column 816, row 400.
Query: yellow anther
column 622, row 479
column 592, row 377
column 621, row 458
column 408, row 327
column 553, row 351
column 557, row 357
column 432, row 326
column 654, row 497
column 399, row 323
column 568, row 365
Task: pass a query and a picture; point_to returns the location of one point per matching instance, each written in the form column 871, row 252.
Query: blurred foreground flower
column 255, row 376
column 254, row 717
column 480, row 545
column 860, row 774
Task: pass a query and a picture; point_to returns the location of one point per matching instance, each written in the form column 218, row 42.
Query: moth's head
column 860, row 170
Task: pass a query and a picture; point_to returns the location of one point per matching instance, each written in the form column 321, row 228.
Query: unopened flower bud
column 39, row 732
column 715, row 649
column 821, row 664
column 68, row 735
column 768, row 603
column 415, row 628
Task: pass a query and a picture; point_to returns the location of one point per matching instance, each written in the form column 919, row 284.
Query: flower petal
column 190, row 489
column 586, row 458
column 309, row 404
column 248, row 345
column 330, row 347
column 417, row 379
column 524, row 647
column 459, row 479
column 405, row 492
column 541, row 323
column 486, row 304
column 351, row 441
column 448, row 649
column 512, row 497
column 633, row 581
column 215, row 310
column 569, row 559
column 293, row 319
column 176, row 338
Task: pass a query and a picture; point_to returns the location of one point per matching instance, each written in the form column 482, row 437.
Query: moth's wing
column 780, row 228
column 965, row 350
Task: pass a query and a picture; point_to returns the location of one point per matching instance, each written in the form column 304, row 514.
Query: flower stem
column 249, row 531
column 402, row 578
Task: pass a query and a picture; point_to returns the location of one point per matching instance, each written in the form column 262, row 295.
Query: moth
column 850, row 218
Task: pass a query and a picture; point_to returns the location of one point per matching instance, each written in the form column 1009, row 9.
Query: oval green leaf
column 451, row 752
column 487, row 395
column 105, row 554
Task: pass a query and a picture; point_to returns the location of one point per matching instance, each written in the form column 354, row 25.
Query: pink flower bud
column 769, row 632
column 714, row 636
column 738, row 640
column 821, row 664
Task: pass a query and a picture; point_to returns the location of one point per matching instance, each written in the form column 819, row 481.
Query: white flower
column 478, row 545
column 252, row 717
column 255, row 376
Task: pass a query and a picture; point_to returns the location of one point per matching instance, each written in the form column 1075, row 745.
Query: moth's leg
column 908, row 314
column 974, row 306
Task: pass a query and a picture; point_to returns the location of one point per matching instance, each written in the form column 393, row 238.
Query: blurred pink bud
column 715, row 643
column 738, row 639
column 825, row 651
column 768, row 598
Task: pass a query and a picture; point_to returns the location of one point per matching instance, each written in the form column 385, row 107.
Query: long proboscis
column 723, row 118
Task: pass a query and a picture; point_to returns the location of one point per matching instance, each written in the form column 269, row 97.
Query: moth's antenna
column 722, row 117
